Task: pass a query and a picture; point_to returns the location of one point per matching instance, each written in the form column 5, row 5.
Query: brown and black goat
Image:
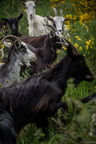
column 47, row 46
column 40, row 96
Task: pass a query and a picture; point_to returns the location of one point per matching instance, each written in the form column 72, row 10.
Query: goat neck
column 75, row 68
column 10, row 71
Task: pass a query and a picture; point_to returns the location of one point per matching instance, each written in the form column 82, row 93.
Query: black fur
column 39, row 97
column 13, row 23
column 7, row 130
column 47, row 53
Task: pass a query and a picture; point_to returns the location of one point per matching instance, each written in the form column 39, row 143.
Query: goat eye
column 23, row 50
column 54, row 24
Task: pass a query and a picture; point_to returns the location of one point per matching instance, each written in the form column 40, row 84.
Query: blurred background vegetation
column 82, row 30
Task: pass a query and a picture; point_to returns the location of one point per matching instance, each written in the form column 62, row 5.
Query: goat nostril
column 30, row 15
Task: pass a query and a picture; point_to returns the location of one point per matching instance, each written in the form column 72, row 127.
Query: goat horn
column 73, row 48
column 53, row 28
column 55, row 11
column 60, row 12
column 11, row 37
column 49, row 18
column 62, row 43
column 13, row 40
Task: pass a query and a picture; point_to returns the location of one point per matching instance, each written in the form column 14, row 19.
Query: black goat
column 39, row 97
column 47, row 45
column 7, row 129
column 13, row 23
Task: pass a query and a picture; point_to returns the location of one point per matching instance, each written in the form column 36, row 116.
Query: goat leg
column 55, row 106
column 43, row 123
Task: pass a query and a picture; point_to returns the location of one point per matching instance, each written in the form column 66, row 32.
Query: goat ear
column 49, row 18
column 20, row 16
column 17, row 44
column 5, row 19
column 70, row 53
column 23, row 3
column 36, row 1
column 52, row 34
column 66, row 19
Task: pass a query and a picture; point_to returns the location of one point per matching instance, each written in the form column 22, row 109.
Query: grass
column 78, row 118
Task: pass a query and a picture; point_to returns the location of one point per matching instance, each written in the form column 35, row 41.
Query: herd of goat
column 39, row 96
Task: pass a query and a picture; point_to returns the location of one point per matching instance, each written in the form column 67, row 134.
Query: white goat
column 37, row 24
column 58, row 22
column 19, row 53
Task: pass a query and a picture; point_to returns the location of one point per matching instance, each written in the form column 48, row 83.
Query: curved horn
column 55, row 11
column 12, row 40
column 10, row 37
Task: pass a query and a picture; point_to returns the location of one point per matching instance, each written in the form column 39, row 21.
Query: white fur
column 37, row 24
column 10, row 71
column 60, row 26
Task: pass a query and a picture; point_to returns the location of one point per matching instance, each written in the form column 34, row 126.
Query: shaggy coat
column 39, row 97
column 18, row 53
column 7, row 129
column 46, row 53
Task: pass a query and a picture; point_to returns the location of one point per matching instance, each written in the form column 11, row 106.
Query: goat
column 37, row 23
column 58, row 22
column 47, row 45
column 18, row 54
column 13, row 23
column 7, row 125
column 38, row 97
